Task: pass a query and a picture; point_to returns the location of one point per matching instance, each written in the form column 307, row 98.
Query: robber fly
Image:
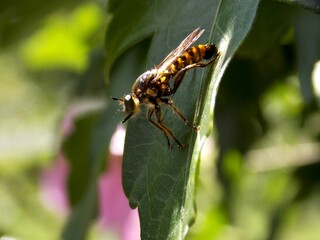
column 154, row 86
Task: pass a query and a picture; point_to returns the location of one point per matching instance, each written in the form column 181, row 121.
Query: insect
column 153, row 87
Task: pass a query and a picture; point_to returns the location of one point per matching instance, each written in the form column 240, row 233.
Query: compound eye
column 128, row 103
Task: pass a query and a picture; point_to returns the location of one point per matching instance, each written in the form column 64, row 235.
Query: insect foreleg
column 150, row 113
column 167, row 130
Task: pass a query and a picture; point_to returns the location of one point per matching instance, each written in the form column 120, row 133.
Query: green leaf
column 159, row 181
column 82, row 215
column 76, row 148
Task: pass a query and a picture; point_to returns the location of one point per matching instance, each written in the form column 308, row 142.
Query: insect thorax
column 142, row 83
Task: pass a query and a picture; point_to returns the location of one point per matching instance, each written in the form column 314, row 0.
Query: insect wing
column 184, row 45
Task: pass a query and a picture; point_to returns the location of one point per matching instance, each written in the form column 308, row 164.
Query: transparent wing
column 184, row 45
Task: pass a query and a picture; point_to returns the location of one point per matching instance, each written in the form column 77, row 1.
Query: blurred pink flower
column 115, row 212
column 53, row 186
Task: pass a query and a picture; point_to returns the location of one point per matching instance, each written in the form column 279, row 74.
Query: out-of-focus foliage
column 49, row 52
column 20, row 18
column 65, row 42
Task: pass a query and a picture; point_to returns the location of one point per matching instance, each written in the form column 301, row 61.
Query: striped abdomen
column 192, row 55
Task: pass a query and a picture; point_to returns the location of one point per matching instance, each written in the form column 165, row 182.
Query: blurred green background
column 260, row 171
column 51, row 58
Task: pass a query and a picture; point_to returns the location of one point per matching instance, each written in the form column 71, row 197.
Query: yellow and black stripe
column 192, row 55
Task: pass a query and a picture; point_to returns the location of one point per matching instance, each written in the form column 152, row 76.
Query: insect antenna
column 118, row 99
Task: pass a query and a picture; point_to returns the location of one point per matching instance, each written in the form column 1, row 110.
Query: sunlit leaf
column 62, row 42
column 20, row 18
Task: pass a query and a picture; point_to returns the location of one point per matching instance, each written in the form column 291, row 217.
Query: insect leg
column 177, row 111
column 159, row 120
column 150, row 113
column 177, row 80
column 180, row 75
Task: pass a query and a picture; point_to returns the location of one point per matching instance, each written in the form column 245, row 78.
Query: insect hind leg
column 177, row 111
column 177, row 80
column 180, row 75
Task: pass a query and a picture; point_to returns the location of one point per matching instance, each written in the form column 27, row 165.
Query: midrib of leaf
column 209, row 102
